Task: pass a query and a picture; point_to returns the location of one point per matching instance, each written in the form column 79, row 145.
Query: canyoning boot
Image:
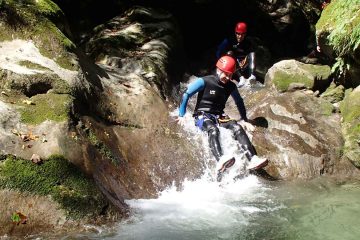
column 257, row 162
column 223, row 166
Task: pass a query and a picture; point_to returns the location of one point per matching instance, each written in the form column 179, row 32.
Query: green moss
column 55, row 177
column 61, row 86
column 47, row 7
column 334, row 93
column 30, row 85
column 342, row 20
column 282, row 80
column 320, row 72
column 350, row 107
column 101, row 147
column 54, row 45
column 350, row 111
column 32, row 65
column 28, row 20
column 326, row 108
column 46, row 107
column 307, row 76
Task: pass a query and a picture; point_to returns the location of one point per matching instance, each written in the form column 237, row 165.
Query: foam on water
column 203, row 205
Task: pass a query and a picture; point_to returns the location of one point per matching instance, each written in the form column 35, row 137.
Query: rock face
column 350, row 111
column 303, row 138
column 288, row 75
column 338, row 35
column 298, row 132
column 139, row 151
column 111, row 119
column 107, row 110
column 37, row 76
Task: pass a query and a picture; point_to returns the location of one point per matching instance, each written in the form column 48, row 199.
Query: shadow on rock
column 263, row 174
column 260, row 122
column 92, row 71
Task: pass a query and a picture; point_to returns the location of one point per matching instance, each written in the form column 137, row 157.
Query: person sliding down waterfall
column 213, row 93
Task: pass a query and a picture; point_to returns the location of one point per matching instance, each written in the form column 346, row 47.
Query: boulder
column 291, row 74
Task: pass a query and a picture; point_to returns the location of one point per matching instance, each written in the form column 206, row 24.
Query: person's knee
column 237, row 130
column 213, row 132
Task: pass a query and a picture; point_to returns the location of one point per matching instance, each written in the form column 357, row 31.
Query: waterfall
column 203, row 206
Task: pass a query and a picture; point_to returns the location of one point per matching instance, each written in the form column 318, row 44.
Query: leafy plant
column 18, row 217
column 340, row 67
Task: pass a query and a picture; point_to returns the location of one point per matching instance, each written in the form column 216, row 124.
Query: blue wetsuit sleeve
column 221, row 48
column 193, row 88
column 239, row 104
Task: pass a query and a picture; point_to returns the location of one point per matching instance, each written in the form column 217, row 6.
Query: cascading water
column 247, row 207
column 204, row 208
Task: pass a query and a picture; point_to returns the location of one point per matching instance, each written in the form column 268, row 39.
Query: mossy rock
column 334, row 93
column 38, row 21
column 350, row 111
column 44, row 107
column 30, row 85
column 290, row 72
column 57, row 178
column 341, row 20
column 338, row 33
column 322, row 106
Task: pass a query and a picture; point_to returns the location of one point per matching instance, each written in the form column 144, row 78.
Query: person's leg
column 255, row 162
column 214, row 134
column 241, row 136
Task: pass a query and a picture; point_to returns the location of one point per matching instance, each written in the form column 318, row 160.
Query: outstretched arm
column 193, row 88
column 239, row 104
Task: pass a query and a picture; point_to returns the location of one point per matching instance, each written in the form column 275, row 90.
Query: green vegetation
column 55, row 177
column 326, row 108
column 334, row 93
column 33, row 82
column 101, row 147
column 350, row 110
column 307, row 76
column 32, row 65
column 282, row 80
column 350, row 107
column 30, row 20
column 46, row 107
column 48, row 7
column 342, row 20
column 320, row 105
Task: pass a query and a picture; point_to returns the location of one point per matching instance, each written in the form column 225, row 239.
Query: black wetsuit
column 209, row 112
column 243, row 52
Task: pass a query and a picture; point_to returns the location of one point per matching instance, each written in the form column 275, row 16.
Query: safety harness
column 201, row 116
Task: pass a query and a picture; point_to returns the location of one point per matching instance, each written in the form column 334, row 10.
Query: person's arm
column 221, row 48
column 193, row 88
column 239, row 104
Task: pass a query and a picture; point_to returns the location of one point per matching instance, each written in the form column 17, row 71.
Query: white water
column 202, row 209
column 248, row 208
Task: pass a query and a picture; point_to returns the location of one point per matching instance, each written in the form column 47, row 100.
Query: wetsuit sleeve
column 193, row 88
column 239, row 104
column 221, row 48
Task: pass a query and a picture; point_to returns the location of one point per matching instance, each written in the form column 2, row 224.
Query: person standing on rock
column 242, row 49
column 213, row 93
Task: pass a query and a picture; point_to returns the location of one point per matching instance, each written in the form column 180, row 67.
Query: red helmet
column 226, row 64
column 241, row 27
